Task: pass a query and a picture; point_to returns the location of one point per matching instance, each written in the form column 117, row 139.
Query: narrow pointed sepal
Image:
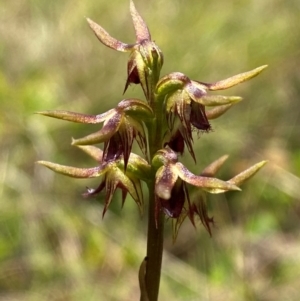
column 94, row 152
column 218, row 100
column 141, row 29
column 74, row 172
column 235, row 80
column 94, row 138
column 218, row 111
column 247, row 174
column 107, row 131
column 211, row 185
column 212, row 169
column 104, row 37
column 74, row 117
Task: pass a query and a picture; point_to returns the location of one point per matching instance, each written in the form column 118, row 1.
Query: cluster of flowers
column 175, row 105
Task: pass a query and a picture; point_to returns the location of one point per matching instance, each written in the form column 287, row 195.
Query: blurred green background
column 54, row 245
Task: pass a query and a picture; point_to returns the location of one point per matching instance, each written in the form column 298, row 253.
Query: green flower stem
column 155, row 240
column 155, row 235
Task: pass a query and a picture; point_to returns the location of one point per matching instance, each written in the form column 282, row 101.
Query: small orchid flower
column 171, row 187
column 186, row 100
column 121, row 126
column 145, row 59
column 112, row 173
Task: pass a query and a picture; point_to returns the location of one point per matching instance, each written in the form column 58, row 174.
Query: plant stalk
column 154, row 248
column 155, row 235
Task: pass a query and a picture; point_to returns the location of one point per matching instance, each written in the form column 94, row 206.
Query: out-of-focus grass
column 54, row 245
